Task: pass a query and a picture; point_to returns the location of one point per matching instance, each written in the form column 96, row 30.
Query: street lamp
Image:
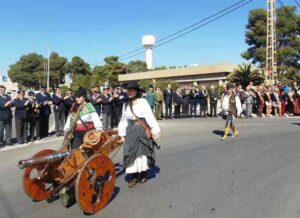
column 48, row 68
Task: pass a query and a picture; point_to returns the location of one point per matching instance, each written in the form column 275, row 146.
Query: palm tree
column 245, row 73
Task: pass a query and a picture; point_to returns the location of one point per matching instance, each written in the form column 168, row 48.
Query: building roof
column 179, row 72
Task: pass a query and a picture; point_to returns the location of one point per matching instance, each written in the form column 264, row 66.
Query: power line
column 206, row 23
column 286, row 10
column 187, row 32
column 297, row 3
column 188, row 27
column 182, row 30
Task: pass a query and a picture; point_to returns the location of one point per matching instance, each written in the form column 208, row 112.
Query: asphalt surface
column 255, row 175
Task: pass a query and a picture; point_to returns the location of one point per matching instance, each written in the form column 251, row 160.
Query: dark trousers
column 213, row 109
column 32, row 126
column 118, row 114
column 5, row 124
column 78, row 139
column 66, row 115
column 42, row 126
column 177, row 111
column 185, row 109
column 21, row 129
column 203, row 109
column 193, row 108
column 168, row 110
column 106, row 120
column 114, row 117
column 59, row 121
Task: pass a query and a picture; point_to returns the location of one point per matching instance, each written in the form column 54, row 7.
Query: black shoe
column 10, row 144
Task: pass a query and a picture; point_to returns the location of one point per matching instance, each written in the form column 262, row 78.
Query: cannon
column 87, row 170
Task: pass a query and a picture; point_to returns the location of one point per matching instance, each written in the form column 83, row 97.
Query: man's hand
column 155, row 136
column 8, row 103
column 122, row 139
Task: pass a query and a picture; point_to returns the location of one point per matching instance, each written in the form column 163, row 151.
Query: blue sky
column 94, row 29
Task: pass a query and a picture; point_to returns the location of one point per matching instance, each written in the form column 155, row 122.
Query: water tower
column 148, row 41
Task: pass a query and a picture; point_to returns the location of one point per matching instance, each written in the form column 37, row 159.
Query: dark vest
column 232, row 104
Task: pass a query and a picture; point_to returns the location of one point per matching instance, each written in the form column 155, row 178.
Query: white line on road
column 43, row 141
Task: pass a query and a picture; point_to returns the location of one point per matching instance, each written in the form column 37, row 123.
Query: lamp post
column 48, row 68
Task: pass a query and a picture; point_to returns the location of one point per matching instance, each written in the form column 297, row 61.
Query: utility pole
column 271, row 56
column 48, row 68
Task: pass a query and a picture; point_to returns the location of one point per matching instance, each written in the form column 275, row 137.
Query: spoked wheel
column 37, row 184
column 95, row 184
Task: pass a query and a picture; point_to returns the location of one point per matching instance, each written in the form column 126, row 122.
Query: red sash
column 81, row 127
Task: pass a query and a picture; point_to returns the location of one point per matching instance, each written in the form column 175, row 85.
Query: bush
column 164, row 83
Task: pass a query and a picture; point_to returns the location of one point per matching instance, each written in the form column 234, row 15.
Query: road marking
column 37, row 142
column 48, row 140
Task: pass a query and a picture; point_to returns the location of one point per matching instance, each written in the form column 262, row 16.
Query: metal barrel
column 43, row 159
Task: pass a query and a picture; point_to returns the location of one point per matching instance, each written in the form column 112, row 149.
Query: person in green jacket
column 150, row 97
column 158, row 103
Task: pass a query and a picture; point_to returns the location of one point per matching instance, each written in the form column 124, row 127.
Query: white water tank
column 148, row 41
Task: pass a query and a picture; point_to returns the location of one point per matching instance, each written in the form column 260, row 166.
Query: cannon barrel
column 52, row 158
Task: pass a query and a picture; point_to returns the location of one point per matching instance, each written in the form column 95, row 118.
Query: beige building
column 213, row 74
column 11, row 87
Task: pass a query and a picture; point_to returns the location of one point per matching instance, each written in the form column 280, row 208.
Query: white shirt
column 89, row 117
column 141, row 109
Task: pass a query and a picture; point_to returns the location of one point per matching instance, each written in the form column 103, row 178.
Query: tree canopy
column 245, row 73
column 287, row 34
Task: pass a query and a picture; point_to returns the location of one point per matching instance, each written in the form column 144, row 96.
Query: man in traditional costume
column 231, row 105
column 138, row 129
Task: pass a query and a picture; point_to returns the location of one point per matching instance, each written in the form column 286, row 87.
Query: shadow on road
column 153, row 171
column 218, row 132
column 298, row 124
column 119, row 169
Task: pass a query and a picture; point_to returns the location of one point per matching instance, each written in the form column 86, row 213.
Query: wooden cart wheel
column 37, row 184
column 95, row 183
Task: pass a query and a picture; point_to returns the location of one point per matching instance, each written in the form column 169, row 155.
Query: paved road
column 256, row 175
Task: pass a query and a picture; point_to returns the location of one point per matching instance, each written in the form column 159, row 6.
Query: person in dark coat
column 5, row 117
column 213, row 99
column 107, row 109
column 120, row 99
column 193, row 95
column 59, row 112
column 177, row 101
column 32, row 115
column 69, row 99
column 21, row 104
column 203, row 102
column 168, row 99
column 43, row 100
column 95, row 99
column 185, row 101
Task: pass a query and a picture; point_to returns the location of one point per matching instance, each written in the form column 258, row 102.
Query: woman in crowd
column 268, row 102
column 261, row 101
column 276, row 101
column 290, row 102
column 283, row 102
column 138, row 129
